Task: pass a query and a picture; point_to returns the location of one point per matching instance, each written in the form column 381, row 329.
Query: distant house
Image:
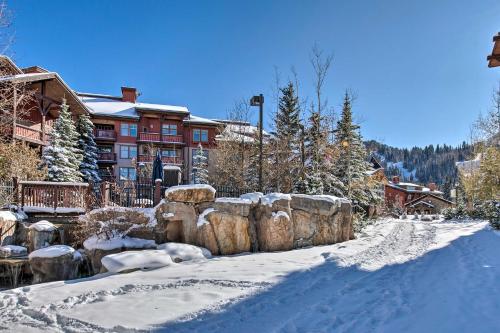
column 414, row 198
column 239, row 131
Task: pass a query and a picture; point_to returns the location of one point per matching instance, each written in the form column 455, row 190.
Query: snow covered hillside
column 398, row 276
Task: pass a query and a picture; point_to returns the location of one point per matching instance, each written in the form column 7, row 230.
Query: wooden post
column 14, row 113
column 157, row 193
column 15, row 191
column 88, row 197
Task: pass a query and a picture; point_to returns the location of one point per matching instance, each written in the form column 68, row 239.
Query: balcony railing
column 105, row 134
column 164, row 159
column 158, row 137
column 30, row 134
column 106, row 157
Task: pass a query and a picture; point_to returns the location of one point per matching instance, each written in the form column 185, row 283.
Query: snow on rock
column 254, row 197
column 270, row 198
column 43, row 226
column 50, row 210
column 201, row 218
column 195, row 193
column 12, row 251
column 9, row 216
column 172, row 168
column 96, row 243
column 233, row 200
column 277, row 215
column 54, row 251
column 184, row 252
column 133, row 260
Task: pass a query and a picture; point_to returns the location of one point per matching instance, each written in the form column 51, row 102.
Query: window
column 128, row 152
column 169, row 153
column 200, row 135
column 127, row 174
column 128, row 129
column 169, row 129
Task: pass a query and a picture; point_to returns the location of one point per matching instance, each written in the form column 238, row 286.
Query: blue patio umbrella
column 157, row 167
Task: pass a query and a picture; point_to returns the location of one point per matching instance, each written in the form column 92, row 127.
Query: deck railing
column 55, row 197
column 106, row 157
column 105, row 134
column 158, row 137
column 31, row 134
column 164, row 159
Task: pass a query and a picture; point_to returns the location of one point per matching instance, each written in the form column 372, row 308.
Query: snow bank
column 270, row 198
column 96, row 243
column 201, row 218
column 254, row 197
column 184, row 252
column 12, row 251
column 43, row 225
column 55, row 251
column 132, row 260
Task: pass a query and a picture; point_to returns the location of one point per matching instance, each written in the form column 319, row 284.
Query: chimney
column 432, row 186
column 129, row 94
column 395, row 179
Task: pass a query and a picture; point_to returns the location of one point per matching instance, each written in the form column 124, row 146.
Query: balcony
column 102, row 134
column 164, row 159
column 30, row 134
column 158, row 137
column 105, row 157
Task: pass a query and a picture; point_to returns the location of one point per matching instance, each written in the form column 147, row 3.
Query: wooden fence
column 55, row 197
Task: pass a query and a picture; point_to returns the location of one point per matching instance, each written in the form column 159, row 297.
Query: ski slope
column 398, row 276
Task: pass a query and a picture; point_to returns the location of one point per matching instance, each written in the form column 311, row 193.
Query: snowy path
column 400, row 276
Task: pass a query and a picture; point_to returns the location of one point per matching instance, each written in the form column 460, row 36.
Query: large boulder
column 41, row 234
column 275, row 232
column 233, row 206
column 190, row 193
column 176, row 222
column 229, row 232
column 54, row 263
column 316, row 204
column 96, row 248
column 276, row 202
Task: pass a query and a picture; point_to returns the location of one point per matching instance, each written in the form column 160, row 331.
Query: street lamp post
column 259, row 101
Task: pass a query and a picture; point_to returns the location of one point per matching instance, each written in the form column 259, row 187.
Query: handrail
column 41, row 182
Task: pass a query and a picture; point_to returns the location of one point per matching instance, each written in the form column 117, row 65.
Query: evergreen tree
column 287, row 141
column 200, row 167
column 88, row 147
column 351, row 166
column 315, row 152
column 62, row 156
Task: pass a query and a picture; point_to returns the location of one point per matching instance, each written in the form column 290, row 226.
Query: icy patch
column 43, row 225
column 201, row 218
column 96, row 243
column 132, row 260
column 254, row 197
column 54, row 251
column 270, row 198
column 184, row 252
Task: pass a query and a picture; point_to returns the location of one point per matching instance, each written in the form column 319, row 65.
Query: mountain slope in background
column 424, row 165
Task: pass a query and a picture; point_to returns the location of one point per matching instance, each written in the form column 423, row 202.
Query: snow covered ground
column 399, row 276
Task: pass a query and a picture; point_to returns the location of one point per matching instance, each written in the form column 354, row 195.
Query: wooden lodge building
column 128, row 133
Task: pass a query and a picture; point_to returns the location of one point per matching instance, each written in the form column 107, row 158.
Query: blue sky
column 418, row 67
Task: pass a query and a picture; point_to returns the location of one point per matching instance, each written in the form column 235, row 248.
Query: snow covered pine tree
column 62, row 156
column 351, row 165
column 88, row 148
column 200, row 165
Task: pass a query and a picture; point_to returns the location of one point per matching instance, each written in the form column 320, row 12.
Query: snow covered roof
column 105, row 105
column 199, row 120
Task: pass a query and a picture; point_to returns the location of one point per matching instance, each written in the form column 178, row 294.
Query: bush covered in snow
column 487, row 210
column 113, row 222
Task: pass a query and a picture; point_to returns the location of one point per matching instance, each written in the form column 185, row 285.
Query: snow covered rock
column 54, row 263
column 275, row 233
column 277, row 201
column 41, row 234
column 96, row 248
column 11, row 251
column 254, row 197
column 132, row 260
column 184, row 252
column 190, row 193
column 233, row 206
column 316, row 204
